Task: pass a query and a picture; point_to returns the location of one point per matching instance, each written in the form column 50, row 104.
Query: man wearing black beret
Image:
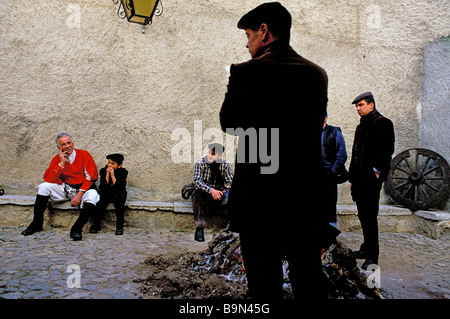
column 276, row 103
column 372, row 151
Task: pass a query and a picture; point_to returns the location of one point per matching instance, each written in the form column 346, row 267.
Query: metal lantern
column 139, row 11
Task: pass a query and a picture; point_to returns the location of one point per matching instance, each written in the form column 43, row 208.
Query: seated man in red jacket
column 71, row 175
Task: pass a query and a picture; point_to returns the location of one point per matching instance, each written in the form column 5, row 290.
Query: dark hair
column 277, row 18
column 369, row 100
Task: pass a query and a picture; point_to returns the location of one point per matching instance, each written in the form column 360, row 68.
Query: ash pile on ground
column 218, row 273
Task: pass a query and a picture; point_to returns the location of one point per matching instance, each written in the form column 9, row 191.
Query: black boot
column 77, row 228
column 40, row 204
column 95, row 220
column 199, row 235
column 362, row 252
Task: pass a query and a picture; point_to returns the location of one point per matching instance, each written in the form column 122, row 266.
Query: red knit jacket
column 75, row 173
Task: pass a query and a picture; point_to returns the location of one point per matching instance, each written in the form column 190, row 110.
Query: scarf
column 216, row 174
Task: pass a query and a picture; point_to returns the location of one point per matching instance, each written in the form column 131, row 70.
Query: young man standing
column 372, row 151
column 276, row 102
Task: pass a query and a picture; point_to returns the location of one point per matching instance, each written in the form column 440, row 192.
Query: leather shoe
column 199, row 235
column 119, row 231
column 28, row 232
column 367, row 263
column 75, row 236
column 94, row 230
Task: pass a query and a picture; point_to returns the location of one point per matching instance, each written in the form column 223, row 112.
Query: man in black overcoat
column 372, row 151
column 276, row 103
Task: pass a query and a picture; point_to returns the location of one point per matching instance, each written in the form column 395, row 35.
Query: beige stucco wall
column 75, row 66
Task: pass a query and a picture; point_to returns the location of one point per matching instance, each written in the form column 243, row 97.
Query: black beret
column 116, row 157
column 272, row 13
column 364, row 95
column 216, row 147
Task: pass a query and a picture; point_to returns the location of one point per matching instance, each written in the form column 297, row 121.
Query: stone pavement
column 45, row 264
column 49, row 265
column 412, row 266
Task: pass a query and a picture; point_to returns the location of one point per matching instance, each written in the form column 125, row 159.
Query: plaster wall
column 75, row 66
column 435, row 131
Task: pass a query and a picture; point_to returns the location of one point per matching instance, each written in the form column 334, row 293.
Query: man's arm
column 385, row 149
column 54, row 171
column 236, row 111
column 91, row 175
column 198, row 177
column 341, row 154
column 227, row 175
column 90, row 171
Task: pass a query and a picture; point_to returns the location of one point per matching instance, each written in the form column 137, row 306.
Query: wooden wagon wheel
column 418, row 179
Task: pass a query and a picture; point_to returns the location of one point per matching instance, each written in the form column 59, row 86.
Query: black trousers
column 263, row 256
column 203, row 205
column 330, row 200
column 367, row 198
column 86, row 212
column 118, row 200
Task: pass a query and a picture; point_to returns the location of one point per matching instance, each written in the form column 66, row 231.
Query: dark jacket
column 334, row 153
column 120, row 185
column 279, row 97
column 373, row 147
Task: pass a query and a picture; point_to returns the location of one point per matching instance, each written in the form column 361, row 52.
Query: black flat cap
column 364, row 95
column 116, row 157
column 277, row 18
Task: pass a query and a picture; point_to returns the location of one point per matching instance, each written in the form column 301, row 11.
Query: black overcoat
column 373, row 146
column 282, row 97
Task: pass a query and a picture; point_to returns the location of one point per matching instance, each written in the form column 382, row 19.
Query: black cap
column 116, row 157
column 216, row 147
column 277, row 18
column 364, row 95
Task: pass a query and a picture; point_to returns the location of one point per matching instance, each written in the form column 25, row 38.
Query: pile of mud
column 218, row 273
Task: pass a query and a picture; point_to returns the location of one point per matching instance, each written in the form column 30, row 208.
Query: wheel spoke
column 432, row 187
column 407, row 190
column 434, row 178
column 431, row 170
column 401, row 185
column 426, row 163
column 411, row 170
column 417, row 160
column 404, row 171
column 425, row 192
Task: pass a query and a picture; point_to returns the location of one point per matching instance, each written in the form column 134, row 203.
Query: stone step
column 177, row 216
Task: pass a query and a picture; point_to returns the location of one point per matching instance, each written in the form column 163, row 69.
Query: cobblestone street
column 412, row 266
column 39, row 266
column 45, row 265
